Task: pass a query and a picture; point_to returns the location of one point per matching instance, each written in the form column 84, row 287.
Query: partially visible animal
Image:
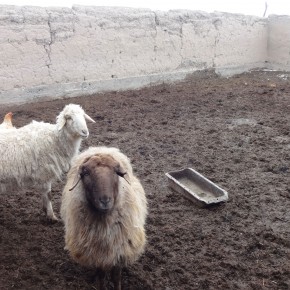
column 104, row 210
column 40, row 153
column 7, row 122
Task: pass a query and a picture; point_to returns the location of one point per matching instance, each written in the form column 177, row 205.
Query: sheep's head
column 73, row 118
column 99, row 174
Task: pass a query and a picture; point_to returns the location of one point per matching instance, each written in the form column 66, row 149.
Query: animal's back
column 25, row 153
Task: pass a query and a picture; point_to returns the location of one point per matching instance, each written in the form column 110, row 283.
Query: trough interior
column 197, row 184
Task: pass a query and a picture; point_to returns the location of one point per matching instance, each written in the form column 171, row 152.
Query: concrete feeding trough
column 196, row 187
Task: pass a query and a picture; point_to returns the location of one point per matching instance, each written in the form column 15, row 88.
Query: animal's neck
column 70, row 144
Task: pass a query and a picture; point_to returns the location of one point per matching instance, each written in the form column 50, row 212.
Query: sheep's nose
column 105, row 201
column 85, row 132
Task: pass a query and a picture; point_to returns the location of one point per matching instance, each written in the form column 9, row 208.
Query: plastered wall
column 50, row 53
column 279, row 42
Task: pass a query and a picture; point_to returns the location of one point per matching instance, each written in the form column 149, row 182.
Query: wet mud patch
column 234, row 131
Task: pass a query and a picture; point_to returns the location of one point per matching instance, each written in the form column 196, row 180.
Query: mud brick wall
column 50, row 53
column 279, row 42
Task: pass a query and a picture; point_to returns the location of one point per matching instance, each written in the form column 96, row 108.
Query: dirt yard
column 234, row 131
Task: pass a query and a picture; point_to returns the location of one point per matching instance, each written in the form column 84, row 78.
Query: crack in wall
column 216, row 23
column 156, row 21
column 47, row 46
column 74, row 21
column 181, row 43
column 47, row 49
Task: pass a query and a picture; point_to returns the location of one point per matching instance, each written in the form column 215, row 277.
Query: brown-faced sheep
column 104, row 209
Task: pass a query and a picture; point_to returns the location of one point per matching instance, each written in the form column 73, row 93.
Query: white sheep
column 103, row 213
column 39, row 153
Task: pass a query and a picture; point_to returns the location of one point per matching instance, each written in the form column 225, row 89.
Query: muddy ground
column 234, row 131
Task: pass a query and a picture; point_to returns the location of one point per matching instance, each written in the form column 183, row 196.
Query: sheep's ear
column 79, row 176
column 76, row 183
column 61, row 123
column 87, row 117
column 77, row 179
column 63, row 120
column 121, row 172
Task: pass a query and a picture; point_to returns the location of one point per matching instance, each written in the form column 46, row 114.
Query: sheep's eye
column 85, row 173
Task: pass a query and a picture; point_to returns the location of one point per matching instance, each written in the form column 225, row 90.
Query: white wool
column 38, row 153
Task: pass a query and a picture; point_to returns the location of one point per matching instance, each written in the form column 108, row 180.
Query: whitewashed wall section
column 279, row 42
column 59, row 52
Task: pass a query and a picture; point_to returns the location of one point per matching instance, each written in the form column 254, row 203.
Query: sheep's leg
column 116, row 277
column 100, row 279
column 46, row 202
